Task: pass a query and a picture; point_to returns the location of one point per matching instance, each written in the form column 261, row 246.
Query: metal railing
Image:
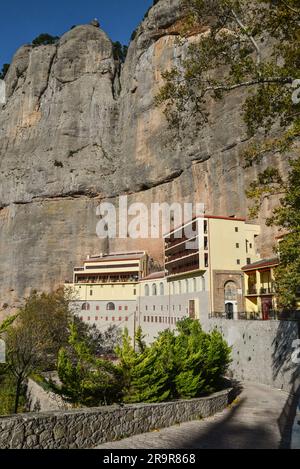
column 272, row 315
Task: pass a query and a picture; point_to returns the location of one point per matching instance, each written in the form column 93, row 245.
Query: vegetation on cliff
column 256, row 46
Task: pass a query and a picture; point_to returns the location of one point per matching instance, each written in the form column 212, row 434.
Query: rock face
column 78, row 128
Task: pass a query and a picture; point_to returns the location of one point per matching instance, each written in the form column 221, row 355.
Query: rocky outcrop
column 78, row 128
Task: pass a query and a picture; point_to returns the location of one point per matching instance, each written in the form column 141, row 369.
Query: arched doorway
column 231, row 297
column 229, row 310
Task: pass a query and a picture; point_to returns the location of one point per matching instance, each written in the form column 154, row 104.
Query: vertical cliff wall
column 77, row 130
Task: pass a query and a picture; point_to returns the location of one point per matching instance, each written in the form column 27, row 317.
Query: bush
column 4, row 71
column 182, row 365
column 45, row 39
column 85, row 379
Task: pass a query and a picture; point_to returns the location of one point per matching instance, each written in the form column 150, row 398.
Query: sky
column 22, row 21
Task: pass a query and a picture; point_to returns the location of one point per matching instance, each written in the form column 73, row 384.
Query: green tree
column 85, row 379
column 45, row 39
column 252, row 46
column 34, row 337
column 120, row 51
column 184, row 364
column 287, row 217
column 4, row 71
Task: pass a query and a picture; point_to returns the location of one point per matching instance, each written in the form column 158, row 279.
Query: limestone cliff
column 78, row 129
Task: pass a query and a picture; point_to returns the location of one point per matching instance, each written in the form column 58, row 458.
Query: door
column 192, row 309
column 267, row 306
column 229, row 309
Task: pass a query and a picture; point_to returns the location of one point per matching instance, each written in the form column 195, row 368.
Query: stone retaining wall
column 262, row 351
column 40, row 400
column 87, row 428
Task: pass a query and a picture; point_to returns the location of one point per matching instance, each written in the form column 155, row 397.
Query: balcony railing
column 262, row 291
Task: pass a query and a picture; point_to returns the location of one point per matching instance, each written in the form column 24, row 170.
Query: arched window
column 154, row 289
column 85, row 307
column 110, row 307
column 147, row 291
column 161, row 289
column 230, row 291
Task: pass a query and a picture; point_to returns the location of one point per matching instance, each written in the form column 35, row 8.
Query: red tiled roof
column 274, row 261
column 204, row 216
column 155, row 275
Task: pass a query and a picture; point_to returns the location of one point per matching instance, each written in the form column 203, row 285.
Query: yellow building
column 260, row 299
column 214, row 249
column 105, row 289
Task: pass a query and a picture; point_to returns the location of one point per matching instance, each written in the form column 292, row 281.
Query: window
column 110, row 307
column 238, row 262
column 86, row 307
column 161, row 289
column 203, row 283
column 248, row 261
column 120, row 319
column 96, row 318
column 91, row 292
column 126, row 308
column 154, row 308
column 134, row 291
column 120, row 308
column 250, row 245
column 154, row 290
column 237, row 245
column 194, row 284
column 160, row 319
column 126, row 319
column 205, row 227
column 97, row 308
column 151, row 318
column 162, row 308
column 156, row 318
column 230, row 290
column 206, row 260
column 147, row 291
column 205, row 243
column 180, row 287
column 187, row 286
column 113, row 319
column 236, row 229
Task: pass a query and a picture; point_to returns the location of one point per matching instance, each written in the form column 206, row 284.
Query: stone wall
column 87, row 428
column 40, row 400
column 261, row 351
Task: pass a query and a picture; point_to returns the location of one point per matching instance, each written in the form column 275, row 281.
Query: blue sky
column 21, row 21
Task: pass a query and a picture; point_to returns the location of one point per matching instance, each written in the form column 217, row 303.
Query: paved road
column 254, row 421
